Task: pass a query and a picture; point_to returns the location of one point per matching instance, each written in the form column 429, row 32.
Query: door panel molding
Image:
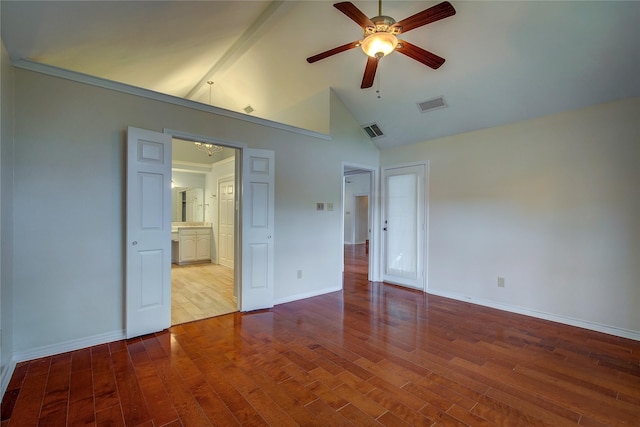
column 258, row 209
column 148, row 232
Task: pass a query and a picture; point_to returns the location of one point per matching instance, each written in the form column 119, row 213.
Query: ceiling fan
column 380, row 37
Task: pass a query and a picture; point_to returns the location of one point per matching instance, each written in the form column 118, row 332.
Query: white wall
column 296, row 199
column 311, row 113
column 69, row 204
column 6, row 219
column 551, row 204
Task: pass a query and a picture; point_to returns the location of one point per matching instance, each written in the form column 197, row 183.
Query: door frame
column 375, row 269
column 237, row 261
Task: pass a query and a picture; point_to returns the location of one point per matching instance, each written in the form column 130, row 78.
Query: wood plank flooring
column 373, row 354
column 199, row 291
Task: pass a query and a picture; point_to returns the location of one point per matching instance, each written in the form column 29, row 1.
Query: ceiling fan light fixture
column 379, row 44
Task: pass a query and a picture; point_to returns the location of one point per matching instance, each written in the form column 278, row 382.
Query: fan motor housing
column 382, row 24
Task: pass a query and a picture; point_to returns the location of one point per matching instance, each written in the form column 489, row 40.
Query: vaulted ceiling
column 505, row 60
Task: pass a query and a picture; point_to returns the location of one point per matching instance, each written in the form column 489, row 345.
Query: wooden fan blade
column 369, row 72
column 427, row 16
column 354, row 13
column 333, row 51
column 427, row 58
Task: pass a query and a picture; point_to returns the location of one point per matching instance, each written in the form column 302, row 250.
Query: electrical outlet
column 501, row 282
column 299, row 274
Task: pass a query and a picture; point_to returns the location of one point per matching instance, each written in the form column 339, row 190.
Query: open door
column 148, row 234
column 257, row 229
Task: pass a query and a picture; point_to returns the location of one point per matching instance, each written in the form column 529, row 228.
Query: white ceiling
column 505, row 60
column 185, row 155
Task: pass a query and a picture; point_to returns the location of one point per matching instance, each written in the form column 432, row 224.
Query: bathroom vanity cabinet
column 193, row 244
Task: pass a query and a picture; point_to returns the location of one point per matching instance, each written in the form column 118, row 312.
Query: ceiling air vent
column 432, row 104
column 373, row 131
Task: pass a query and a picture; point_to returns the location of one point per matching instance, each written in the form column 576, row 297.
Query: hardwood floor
column 199, row 291
column 373, row 354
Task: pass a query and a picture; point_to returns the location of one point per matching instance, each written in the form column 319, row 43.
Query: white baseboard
column 305, row 295
column 50, row 350
column 64, row 347
column 585, row 324
column 6, row 377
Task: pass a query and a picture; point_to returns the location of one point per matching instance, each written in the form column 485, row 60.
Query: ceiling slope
column 505, row 61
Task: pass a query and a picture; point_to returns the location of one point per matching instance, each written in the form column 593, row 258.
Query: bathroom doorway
column 202, row 272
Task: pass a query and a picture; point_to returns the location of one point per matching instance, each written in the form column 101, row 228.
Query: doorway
column 149, row 231
column 359, row 217
column 404, row 225
column 203, row 186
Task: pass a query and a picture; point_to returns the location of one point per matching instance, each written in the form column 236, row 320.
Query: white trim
column 176, row 164
column 566, row 320
column 427, row 231
column 169, row 99
column 64, row 347
column 6, row 376
column 306, row 295
column 189, row 136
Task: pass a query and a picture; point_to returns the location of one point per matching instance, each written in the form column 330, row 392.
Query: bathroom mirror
column 187, row 196
column 188, row 205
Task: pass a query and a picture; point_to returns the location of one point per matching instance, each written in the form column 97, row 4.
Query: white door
column 257, row 229
column 404, row 225
column 148, row 235
column 226, row 226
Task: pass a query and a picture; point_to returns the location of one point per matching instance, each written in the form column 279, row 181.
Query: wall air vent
column 373, row 131
column 432, row 104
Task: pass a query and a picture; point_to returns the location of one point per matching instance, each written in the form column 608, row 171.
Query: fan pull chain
column 378, row 85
